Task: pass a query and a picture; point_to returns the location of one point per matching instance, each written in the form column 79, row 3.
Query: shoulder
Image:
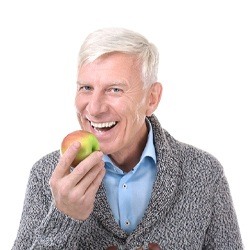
column 194, row 161
column 46, row 165
column 40, row 173
column 188, row 159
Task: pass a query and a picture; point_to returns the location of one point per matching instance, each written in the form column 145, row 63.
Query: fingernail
column 100, row 154
column 76, row 145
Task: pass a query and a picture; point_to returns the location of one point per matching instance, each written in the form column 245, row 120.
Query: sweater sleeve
column 223, row 231
column 42, row 226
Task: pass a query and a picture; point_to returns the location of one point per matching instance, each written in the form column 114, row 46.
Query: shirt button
column 127, row 222
column 124, row 185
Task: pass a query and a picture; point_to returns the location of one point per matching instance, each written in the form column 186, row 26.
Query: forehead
column 113, row 65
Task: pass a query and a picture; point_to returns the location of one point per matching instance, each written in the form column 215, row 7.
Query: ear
column 154, row 97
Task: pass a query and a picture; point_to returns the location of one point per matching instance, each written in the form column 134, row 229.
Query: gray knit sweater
column 190, row 207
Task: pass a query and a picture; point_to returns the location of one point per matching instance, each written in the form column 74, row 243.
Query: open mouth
column 103, row 126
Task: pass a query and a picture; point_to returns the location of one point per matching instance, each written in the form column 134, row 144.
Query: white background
column 204, row 68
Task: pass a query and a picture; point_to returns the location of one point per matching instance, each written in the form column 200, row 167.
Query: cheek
column 138, row 109
column 79, row 104
column 133, row 116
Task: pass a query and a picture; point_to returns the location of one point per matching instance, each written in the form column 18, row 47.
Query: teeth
column 103, row 125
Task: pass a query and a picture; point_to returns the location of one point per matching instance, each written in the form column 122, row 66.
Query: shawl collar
column 164, row 189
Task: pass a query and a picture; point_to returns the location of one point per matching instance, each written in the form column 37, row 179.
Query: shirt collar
column 149, row 150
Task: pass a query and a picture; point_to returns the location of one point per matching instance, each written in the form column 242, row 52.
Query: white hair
column 110, row 40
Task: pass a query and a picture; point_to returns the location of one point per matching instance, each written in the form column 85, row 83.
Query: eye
column 85, row 88
column 115, row 90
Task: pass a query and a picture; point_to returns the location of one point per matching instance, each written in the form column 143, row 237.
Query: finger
column 90, row 177
column 90, row 194
column 65, row 161
column 95, row 184
column 94, row 177
column 84, row 167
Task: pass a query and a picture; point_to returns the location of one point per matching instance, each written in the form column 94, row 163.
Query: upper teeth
column 103, row 125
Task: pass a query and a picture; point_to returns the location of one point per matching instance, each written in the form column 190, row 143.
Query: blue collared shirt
column 129, row 193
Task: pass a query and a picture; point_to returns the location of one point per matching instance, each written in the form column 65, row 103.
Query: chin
column 106, row 149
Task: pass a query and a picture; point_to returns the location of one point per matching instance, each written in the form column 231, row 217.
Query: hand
column 74, row 192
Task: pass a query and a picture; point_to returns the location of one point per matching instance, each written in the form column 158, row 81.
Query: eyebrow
column 122, row 84
column 115, row 83
column 77, row 82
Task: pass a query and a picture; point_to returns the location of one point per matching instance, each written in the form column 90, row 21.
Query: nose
column 96, row 104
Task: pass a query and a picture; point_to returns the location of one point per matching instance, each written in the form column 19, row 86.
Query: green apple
column 89, row 144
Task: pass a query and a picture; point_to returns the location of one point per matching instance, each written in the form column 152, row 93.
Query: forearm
column 42, row 226
column 57, row 231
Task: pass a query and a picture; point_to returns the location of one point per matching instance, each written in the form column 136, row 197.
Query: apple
column 89, row 144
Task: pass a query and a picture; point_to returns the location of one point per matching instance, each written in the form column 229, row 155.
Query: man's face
column 111, row 102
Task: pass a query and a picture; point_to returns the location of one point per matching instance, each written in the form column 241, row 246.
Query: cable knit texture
column 190, row 207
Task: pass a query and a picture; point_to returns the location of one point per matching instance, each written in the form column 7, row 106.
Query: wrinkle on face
column 125, row 140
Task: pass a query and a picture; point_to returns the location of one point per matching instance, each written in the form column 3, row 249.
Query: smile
column 103, row 125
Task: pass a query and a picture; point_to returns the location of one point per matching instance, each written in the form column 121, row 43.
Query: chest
column 181, row 224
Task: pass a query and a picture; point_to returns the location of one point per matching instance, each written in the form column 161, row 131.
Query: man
column 144, row 189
